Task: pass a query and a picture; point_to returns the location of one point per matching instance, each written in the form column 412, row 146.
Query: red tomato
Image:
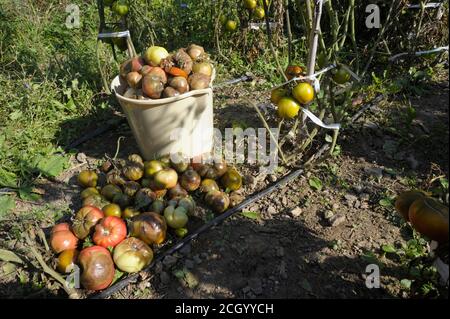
column 110, row 231
column 62, row 238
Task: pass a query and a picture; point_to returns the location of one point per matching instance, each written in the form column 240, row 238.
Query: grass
column 48, row 78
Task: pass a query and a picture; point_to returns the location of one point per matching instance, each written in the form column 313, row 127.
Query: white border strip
column 427, row 6
column 320, row 123
column 122, row 34
column 419, row 53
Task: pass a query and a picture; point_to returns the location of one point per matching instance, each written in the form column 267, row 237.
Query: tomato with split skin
column 85, row 221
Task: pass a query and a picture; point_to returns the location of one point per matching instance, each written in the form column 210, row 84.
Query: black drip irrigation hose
column 215, row 222
column 97, row 132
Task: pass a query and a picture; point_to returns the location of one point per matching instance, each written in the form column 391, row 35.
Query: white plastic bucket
column 170, row 125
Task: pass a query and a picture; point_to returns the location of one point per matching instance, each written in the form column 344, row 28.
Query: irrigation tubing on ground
column 97, row 132
column 216, row 221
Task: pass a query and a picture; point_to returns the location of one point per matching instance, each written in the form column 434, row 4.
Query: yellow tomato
column 250, row 4
column 303, row 93
column 67, row 259
column 277, row 94
column 288, row 108
column 231, row 25
column 259, row 13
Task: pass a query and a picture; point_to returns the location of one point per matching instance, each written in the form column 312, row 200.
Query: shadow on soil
column 412, row 147
column 280, row 258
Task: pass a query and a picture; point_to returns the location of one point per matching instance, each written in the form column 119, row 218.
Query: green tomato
column 223, row 19
column 259, row 13
column 341, row 76
column 121, row 7
column 176, row 217
column 181, row 232
column 231, row 25
column 132, row 255
column 322, row 60
column 250, row 4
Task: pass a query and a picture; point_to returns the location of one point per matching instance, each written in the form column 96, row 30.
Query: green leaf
column 8, row 268
column 251, row 215
column 71, row 105
column 7, row 203
column 117, row 275
column 88, row 242
column 389, row 249
column 406, row 283
column 328, row 138
column 7, row 255
column 385, row 202
column 27, row 194
column 179, row 273
column 315, row 183
column 371, row 258
column 444, row 183
column 337, row 151
column 7, row 179
column 15, row 115
column 53, row 166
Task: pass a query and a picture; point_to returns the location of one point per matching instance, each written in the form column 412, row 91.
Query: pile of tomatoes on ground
column 159, row 74
column 134, row 209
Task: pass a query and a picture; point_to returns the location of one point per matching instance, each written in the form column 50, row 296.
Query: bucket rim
column 119, row 82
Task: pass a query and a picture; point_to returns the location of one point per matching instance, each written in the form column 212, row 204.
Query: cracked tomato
column 85, row 221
